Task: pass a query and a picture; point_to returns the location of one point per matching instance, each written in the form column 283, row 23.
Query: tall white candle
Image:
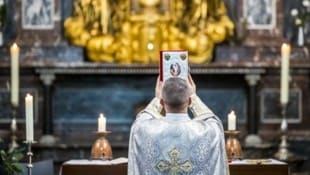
column 14, row 74
column 232, row 121
column 102, row 123
column 29, row 117
column 285, row 64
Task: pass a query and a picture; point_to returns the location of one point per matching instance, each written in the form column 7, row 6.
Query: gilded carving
column 134, row 31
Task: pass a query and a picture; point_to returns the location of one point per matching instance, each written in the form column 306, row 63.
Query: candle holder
column 30, row 155
column 101, row 149
column 283, row 152
column 233, row 147
column 13, row 144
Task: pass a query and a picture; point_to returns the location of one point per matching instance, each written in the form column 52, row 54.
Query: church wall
column 77, row 96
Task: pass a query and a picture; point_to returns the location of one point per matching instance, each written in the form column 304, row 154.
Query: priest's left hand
column 191, row 84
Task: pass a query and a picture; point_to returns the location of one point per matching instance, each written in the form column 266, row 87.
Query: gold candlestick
column 233, row 147
column 101, row 149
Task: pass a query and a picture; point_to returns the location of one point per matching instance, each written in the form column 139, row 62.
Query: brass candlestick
column 283, row 152
column 101, row 149
column 233, row 147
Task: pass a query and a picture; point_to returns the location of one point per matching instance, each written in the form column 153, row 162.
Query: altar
column 119, row 167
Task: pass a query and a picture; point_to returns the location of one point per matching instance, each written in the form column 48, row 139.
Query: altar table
column 119, row 167
column 273, row 167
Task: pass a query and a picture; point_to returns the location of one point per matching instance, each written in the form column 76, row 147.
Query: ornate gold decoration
column 134, row 31
column 174, row 167
column 233, row 146
column 258, row 161
column 101, row 149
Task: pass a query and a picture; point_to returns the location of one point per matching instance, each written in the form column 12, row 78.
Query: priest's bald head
column 176, row 95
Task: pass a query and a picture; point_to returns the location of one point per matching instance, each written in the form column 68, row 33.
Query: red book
column 173, row 63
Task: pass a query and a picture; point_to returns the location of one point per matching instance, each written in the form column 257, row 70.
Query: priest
column 176, row 144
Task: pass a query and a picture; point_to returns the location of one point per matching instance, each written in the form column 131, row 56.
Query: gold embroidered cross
column 174, row 167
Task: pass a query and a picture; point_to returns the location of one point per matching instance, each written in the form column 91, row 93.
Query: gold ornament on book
column 134, row 31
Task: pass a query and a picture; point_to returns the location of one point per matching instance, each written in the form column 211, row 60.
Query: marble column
column 48, row 80
column 253, row 119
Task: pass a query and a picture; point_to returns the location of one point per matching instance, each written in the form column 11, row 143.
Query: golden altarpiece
column 135, row 31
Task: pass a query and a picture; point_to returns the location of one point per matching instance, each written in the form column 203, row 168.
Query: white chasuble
column 176, row 144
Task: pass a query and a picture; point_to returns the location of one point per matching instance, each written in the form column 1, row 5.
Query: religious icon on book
column 175, row 69
column 173, row 64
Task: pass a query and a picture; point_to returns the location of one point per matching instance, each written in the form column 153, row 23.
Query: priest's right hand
column 158, row 88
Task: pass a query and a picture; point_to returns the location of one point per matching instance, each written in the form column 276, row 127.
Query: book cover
column 173, row 63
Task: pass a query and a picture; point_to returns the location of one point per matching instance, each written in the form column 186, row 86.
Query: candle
column 14, row 74
column 101, row 123
column 285, row 63
column 232, row 121
column 29, row 118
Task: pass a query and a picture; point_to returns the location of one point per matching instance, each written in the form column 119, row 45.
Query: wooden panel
column 122, row 169
column 271, row 109
column 94, row 169
column 258, row 169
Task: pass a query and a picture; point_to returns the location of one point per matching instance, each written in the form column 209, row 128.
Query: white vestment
column 176, row 144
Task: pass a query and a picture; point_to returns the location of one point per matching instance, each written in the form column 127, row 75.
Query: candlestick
column 101, row 149
column 233, row 146
column 13, row 144
column 285, row 63
column 232, row 121
column 101, row 123
column 29, row 117
column 14, row 73
column 283, row 152
column 30, row 155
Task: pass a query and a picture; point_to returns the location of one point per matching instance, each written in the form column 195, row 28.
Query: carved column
column 47, row 80
column 253, row 119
